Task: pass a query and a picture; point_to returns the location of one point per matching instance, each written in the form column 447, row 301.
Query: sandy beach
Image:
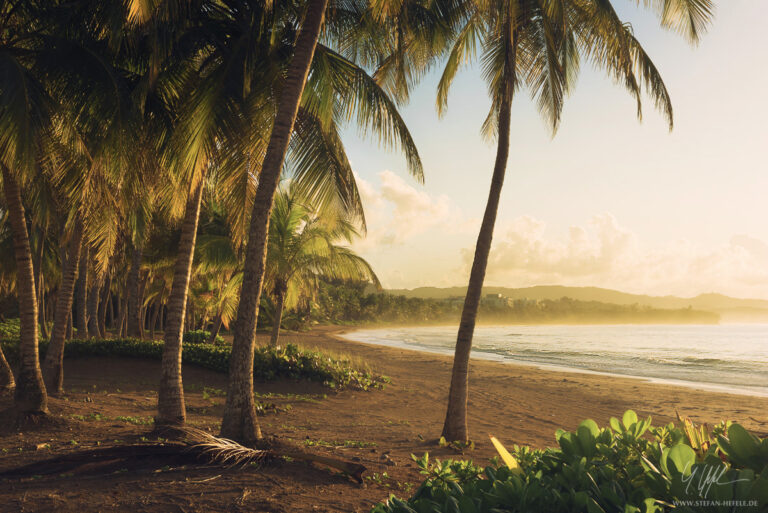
column 519, row 404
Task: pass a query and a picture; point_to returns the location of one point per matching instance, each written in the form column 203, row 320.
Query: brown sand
column 518, row 404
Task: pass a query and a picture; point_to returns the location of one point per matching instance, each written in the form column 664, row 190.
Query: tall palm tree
column 25, row 111
column 30, row 396
column 304, row 246
column 537, row 43
column 337, row 89
column 239, row 421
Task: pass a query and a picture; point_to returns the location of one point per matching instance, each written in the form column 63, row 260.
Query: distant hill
column 730, row 309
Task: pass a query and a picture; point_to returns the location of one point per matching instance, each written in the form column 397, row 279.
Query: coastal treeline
column 355, row 303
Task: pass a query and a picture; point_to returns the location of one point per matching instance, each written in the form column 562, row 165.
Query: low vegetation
column 629, row 467
column 270, row 363
column 202, row 337
column 9, row 328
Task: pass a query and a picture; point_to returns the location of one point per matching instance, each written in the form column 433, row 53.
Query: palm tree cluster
column 143, row 143
column 120, row 122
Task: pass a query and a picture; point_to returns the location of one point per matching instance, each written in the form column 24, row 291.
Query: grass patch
column 98, row 417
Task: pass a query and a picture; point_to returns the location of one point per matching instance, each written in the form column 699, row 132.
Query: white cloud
column 606, row 254
column 397, row 212
column 416, row 238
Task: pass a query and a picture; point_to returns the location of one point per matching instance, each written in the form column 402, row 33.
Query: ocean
column 728, row 357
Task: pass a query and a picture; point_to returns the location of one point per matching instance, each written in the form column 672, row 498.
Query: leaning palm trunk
column 217, row 322
column 7, row 382
column 279, row 303
column 53, row 366
column 31, row 396
column 455, row 426
column 104, row 302
column 239, row 421
column 170, row 400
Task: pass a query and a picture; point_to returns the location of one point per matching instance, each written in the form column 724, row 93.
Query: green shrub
column 9, row 328
column 629, row 467
column 201, row 337
column 270, row 363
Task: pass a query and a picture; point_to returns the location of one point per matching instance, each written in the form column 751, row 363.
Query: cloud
column 397, row 212
column 604, row 253
column 416, row 238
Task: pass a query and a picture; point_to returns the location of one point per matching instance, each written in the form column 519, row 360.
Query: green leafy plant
column 270, row 363
column 9, row 328
column 201, row 337
column 628, row 467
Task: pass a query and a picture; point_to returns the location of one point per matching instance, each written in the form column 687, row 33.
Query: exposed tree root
column 196, row 447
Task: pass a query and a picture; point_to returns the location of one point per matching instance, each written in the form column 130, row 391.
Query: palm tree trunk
column 103, row 303
column 30, row 397
column 123, row 317
column 93, row 306
column 215, row 329
column 239, row 421
column 455, row 426
column 155, row 315
column 170, row 399
column 39, row 284
column 42, row 317
column 81, row 294
column 53, row 366
column 7, row 383
column 133, row 328
column 142, row 307
column 280, row 299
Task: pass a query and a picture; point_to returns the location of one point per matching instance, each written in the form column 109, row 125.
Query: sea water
column 726, row 357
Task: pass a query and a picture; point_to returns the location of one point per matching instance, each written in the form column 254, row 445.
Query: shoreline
column 546, row 399
column 347, row 335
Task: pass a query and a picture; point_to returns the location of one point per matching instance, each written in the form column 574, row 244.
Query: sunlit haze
column 609, row 201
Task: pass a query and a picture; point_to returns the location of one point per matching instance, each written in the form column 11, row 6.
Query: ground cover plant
column 629, row 467
column 202, row 337
column 270, row 363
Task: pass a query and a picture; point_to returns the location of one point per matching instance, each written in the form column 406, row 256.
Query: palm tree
column 25, row 111
column 219, row 138
column 535, row 43
column 304, row 247
column 239, row 421
column 30, row 395
column 338, row 89
column 54, row 364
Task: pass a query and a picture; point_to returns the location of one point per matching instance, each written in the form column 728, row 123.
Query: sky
column 608, row 201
